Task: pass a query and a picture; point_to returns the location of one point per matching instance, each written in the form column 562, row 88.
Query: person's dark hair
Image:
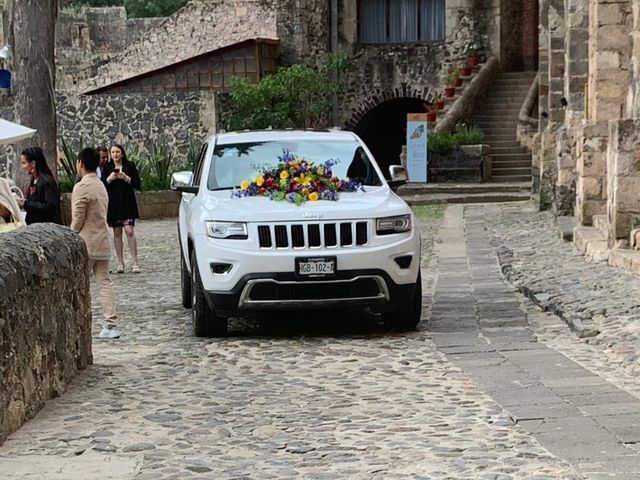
column 103, row 149
column 35, row 154
column 124, row 154
column 90, row 158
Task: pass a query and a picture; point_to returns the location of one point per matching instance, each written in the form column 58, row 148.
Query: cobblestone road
column 318, row 397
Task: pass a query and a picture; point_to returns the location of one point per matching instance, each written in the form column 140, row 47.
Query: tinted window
column 233, row 163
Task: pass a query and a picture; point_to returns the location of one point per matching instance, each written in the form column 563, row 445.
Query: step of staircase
column 511, row 178
column 462, row 188
column 443, row 198
column 601, row 223
column 512, row 145
column 500, row 171
column 513, row 148
column 510, row 157
column 591, row 242
column 509, row 164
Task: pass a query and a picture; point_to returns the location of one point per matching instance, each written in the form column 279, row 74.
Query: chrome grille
column 313, row 235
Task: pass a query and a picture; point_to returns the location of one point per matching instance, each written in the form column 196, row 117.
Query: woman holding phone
column 120, row 177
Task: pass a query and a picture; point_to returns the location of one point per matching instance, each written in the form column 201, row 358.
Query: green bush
column 441, row 143
column 295, row 97
column 466, row 135
column 67, row 166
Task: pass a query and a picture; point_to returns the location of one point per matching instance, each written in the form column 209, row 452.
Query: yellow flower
column 320, row 171
column 244, row 185
column 260, row 181
column 284, row 175
column 313, row 196
column 304, row 179
column 305, row 192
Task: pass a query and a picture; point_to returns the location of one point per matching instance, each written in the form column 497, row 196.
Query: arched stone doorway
column 383, row 129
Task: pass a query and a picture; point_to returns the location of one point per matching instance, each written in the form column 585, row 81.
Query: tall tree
column 32, row 36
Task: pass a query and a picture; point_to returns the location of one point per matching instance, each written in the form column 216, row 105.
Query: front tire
column 205, row 321
column 407, row 317
column 185, row 283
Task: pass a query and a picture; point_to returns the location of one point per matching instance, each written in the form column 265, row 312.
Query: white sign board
column 417, row 143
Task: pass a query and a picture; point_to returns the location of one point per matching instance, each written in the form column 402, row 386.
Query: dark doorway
column 384, row 129
column 519, row 35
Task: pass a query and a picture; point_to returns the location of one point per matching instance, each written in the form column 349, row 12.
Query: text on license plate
column 316, row 267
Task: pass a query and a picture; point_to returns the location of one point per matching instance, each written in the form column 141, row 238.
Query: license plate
column 315, row 266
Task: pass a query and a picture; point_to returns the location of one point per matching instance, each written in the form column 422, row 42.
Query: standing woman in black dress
column 121, row 177
column 42, row 202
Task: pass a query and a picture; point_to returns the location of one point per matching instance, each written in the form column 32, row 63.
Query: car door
column 189, row 204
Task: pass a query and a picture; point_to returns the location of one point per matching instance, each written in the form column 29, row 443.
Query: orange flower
column 313, row 196
column 244, row 185
column 284, row 175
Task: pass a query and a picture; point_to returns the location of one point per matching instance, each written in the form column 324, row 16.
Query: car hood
column 373, row 203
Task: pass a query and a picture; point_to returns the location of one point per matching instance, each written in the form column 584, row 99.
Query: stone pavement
column 477, row 321
column 317, row 396
column 592, row 298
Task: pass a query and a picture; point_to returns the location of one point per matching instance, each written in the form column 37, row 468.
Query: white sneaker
column 109, row 333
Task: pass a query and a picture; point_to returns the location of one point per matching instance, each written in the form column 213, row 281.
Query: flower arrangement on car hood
column 297, row 180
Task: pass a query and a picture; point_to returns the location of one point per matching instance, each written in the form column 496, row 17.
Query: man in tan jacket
column 89, row 203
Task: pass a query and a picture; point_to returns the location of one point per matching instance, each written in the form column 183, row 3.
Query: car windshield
column 233, row 163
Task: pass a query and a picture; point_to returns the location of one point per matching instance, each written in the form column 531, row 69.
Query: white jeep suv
column 245, row 253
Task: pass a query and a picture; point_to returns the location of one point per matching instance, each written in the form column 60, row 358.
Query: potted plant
column 432, row 113
column 454, row 80
column 438, row 102
column 465, row 71
column 472, row 54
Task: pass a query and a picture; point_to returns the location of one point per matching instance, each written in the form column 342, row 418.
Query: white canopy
column 12, row 132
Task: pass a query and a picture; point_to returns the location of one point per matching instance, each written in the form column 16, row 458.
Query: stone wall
column 151, row 205
column 136, row 119
column 42, row 343
column 418, row 70
column 133, row 120
column 610, row 56
column 200, row 27
column 633, row 98
column 623, row 173
column 92, row 36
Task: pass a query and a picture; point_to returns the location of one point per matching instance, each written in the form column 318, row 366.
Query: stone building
column 402, row 52
column 586, row 146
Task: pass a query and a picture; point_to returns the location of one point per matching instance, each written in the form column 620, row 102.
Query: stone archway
column 383, row 128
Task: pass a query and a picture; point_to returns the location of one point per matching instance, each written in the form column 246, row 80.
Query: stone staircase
column 498, row 118
column 441, row 193
column 592, row 243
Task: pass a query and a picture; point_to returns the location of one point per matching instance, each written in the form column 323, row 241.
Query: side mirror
column 181, row 182
column 398, row 176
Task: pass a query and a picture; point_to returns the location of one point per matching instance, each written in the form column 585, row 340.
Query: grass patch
column 429, row 211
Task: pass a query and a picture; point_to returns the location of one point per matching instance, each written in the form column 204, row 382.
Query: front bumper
column 282, row 291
